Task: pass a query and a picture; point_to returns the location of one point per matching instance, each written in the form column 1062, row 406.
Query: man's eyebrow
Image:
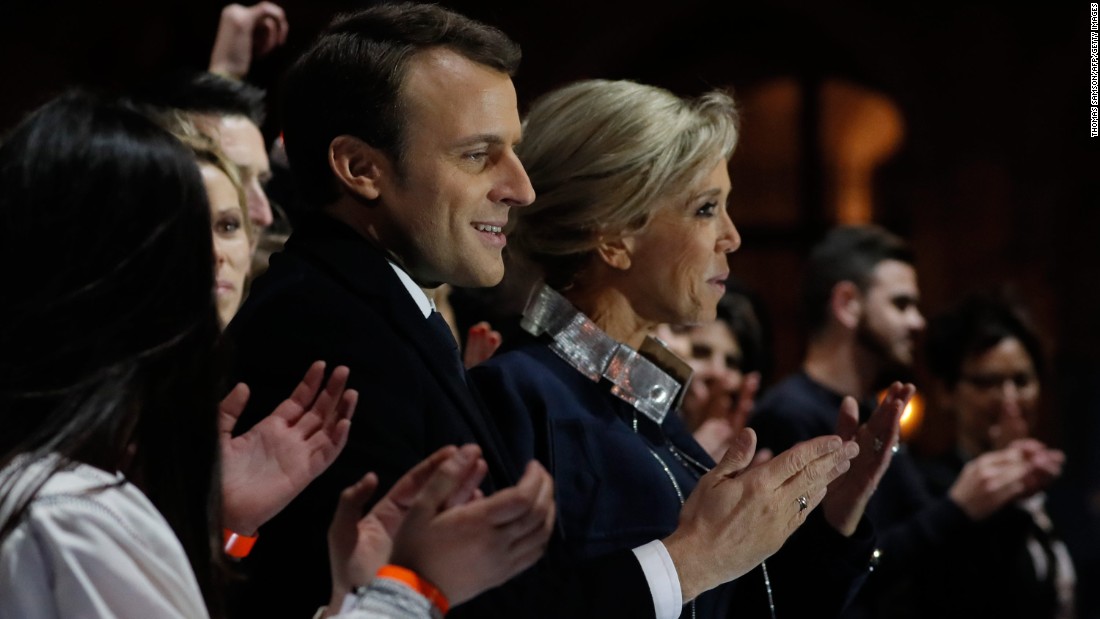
column 481, row 138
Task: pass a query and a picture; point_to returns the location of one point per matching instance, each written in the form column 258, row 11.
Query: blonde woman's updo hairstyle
column 601, row 155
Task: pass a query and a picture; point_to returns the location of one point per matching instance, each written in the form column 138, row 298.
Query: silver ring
column 877, row 445
column 803, row 503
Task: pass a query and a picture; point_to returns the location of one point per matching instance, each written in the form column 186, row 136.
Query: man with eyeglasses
column 987, row 361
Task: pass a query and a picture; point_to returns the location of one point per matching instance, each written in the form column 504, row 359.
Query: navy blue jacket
column 911, row 523
column 331, row 295
column 613, row 492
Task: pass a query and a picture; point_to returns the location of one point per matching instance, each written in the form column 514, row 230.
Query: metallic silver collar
column 636, row 379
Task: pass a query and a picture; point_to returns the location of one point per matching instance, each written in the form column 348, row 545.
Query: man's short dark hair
column 846, row 254
column 208, row 93
column 349, row 81
column 976, row 324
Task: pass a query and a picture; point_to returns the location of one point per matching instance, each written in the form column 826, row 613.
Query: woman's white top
column 92, row 545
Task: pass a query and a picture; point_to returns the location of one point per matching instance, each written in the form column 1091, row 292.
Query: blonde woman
column 230, row 227
column 629, row 230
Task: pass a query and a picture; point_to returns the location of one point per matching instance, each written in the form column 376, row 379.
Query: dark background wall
column 994, row 177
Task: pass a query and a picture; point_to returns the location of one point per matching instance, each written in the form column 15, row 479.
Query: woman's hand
column 266, row 467
column 847, row 499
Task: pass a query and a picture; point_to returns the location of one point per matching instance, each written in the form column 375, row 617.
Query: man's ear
column 846, row 304
column 358, row 166
column 617, row 252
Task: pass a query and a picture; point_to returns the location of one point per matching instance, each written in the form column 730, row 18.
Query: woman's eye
column 707, row 210
column 227, row 225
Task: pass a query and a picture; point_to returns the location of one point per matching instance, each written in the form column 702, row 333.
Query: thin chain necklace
column 688, row 462
column 581, row 343
column 668, row 473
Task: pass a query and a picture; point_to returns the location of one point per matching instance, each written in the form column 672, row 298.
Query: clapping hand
column 437, row 523
column 738, row 515
column 848, row 495
column 266, row 467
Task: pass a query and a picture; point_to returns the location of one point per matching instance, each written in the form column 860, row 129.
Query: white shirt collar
column 423, row 301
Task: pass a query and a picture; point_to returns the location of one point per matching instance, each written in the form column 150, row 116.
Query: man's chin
column 906, row 357
column 481, row 278
column 896, row 369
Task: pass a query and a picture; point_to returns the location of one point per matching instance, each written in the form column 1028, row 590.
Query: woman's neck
column 613, row 312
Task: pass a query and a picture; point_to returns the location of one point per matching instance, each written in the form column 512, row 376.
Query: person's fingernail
column 744, row 441
column 851, row 449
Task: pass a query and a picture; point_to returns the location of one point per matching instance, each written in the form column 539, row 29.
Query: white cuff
column 349, row 602
column 664, row 582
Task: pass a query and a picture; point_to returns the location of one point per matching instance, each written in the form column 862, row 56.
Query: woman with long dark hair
column 116, row 457
column 105, row 352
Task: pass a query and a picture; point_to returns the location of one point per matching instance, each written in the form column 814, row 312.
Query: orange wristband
column 236, row 545
column 418, row 584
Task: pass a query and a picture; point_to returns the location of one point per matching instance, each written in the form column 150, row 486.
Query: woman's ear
column 359, row 167
column 617, row 252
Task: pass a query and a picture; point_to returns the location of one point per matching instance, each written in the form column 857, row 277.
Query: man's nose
column 1009, row 397
column 259, row 207
column 514, row 187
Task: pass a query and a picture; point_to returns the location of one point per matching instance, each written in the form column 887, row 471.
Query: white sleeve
column 664, row 581
column 97, row 556
column 385, row 598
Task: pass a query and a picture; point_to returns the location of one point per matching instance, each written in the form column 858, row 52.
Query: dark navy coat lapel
column 364, row 270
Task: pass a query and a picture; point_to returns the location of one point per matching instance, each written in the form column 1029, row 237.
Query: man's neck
column 841, row 365
column 352, row 213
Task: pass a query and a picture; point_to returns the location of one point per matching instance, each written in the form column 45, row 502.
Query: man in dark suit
column 344, row 287
column 400, row 123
